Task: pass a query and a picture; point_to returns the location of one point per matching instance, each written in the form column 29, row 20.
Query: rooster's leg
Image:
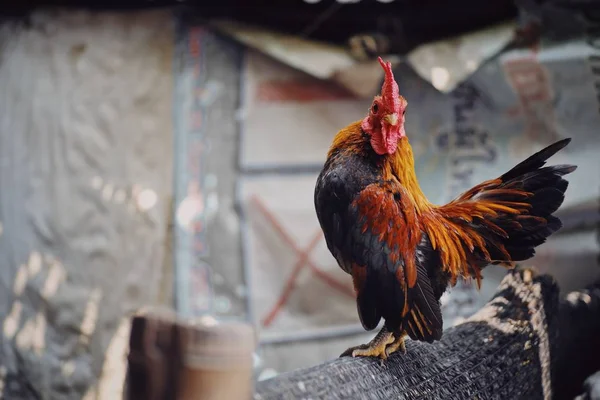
column 382, row 345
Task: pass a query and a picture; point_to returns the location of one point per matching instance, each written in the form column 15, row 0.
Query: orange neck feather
column 349, row 139
column 399, row 166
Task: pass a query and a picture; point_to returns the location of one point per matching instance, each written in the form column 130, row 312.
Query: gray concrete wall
column 85, row 186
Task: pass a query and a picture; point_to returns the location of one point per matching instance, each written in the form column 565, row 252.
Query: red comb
column 389, row 91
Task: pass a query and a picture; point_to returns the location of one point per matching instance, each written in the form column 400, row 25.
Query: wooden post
column 170, row 359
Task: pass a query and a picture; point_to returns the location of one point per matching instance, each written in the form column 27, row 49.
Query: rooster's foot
column 382, row 346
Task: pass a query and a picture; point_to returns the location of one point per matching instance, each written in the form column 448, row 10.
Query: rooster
column 401, row 250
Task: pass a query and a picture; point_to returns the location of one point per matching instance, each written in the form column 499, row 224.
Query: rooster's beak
column 391, row 119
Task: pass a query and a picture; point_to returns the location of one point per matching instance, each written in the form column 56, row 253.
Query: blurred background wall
column 86, row 150
column 158, row 158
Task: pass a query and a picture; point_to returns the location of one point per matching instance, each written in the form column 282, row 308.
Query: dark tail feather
column 367, row 304
column 536, row 161
column 548, row 192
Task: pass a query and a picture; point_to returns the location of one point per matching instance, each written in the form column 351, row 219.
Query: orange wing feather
column 390, row 215
column 388, row 268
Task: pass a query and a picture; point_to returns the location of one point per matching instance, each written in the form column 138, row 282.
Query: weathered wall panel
column 85, row 182
column 208, row 256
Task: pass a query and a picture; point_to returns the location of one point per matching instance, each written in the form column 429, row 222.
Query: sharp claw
column 347, row 353
column 403, row 348
column 351, row 351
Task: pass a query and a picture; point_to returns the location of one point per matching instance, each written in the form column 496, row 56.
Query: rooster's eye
column 375, row 108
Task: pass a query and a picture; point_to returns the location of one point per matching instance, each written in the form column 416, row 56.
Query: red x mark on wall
column 303, row 261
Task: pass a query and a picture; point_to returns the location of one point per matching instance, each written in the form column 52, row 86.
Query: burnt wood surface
column 524, row 344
